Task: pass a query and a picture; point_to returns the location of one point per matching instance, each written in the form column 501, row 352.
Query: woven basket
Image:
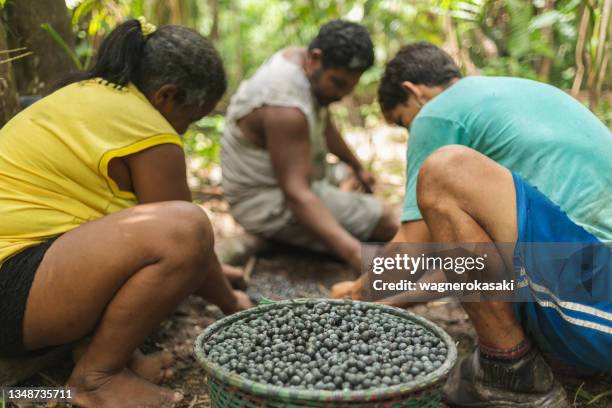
column 229, row 390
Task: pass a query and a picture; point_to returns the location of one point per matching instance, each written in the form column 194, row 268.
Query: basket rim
column 218, row 373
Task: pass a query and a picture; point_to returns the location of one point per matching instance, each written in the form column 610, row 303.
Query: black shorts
column 16, row 277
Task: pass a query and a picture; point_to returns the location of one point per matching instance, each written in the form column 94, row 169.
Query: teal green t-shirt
column 536, row 130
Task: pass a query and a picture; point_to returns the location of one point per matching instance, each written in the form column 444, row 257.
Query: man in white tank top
column 278, row 132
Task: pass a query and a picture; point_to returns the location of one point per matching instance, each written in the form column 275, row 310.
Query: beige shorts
column 358, row 213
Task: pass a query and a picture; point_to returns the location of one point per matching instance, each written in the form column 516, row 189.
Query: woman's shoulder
column 107, row 104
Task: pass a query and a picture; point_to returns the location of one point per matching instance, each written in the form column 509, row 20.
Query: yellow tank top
column 54, row 159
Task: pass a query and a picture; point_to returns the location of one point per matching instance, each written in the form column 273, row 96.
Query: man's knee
column 440, row 171
column 387, row 225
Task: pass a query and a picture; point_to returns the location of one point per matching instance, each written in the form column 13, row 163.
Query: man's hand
column 366, row 179
column 347, row 289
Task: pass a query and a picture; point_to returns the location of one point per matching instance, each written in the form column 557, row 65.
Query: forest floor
column 282, row 272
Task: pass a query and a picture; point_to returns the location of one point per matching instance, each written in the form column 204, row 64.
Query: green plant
column 203, row 139
column 65, row 47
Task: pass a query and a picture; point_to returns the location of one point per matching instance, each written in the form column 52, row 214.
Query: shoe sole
column 556, row 398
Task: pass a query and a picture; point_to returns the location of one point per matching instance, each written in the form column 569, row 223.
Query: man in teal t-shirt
column 493, row 159
column 531, row 128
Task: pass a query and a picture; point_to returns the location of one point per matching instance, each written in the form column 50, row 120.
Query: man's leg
column 117, row 277
column 386, row 227
column 466, row 197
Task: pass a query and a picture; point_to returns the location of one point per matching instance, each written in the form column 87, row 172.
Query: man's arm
column 409, row 232
column 415, row 231
column 288, row 144
column 338, row 147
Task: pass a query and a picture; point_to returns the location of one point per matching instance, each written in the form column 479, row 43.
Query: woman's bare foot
column 123, row 389
column 243, row 301
column 154, row 367
column 240, row 302
column 235, row 276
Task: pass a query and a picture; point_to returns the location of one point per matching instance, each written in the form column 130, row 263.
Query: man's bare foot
column 123, row 389
column 235, row 276
column 152, row 367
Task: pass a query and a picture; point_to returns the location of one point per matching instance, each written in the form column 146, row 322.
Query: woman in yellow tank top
column 97, row 233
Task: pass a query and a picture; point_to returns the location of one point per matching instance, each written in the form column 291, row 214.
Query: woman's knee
column 181, row 232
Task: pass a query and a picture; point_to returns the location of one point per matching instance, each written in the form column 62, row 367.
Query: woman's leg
column 118, row 277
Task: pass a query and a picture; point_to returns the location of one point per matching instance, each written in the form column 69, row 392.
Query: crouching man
column 509, row 160
column 277, row 135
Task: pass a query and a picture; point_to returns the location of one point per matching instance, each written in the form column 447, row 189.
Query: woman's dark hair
column 171, row 55
column 344, row 45
column 419, row 63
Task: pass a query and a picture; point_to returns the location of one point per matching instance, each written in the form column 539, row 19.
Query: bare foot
column 123, row 389
column 240, row 302
column 244, row 301
column 152, row 367
column 235, row 276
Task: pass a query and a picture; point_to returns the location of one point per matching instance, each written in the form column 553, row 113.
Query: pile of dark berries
column 325, row 346
column 277, row 286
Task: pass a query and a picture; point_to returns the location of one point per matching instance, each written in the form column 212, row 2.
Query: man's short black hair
column 419, row 63
column 344, row 45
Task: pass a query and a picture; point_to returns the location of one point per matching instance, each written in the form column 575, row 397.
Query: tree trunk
column 545, row 63
column 600, row 61
column 581, row 49
column 37, row 74
column 238, row 68
column 214, row 31
column 9, row 101
column 456, row 50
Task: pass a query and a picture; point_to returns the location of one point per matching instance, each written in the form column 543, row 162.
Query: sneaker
column 479, row 382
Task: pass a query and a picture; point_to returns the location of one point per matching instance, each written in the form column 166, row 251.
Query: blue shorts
column 565, row 278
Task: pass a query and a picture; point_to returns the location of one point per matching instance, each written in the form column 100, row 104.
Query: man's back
column 531, row 128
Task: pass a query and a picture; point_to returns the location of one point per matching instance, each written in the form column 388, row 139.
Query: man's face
column 403, row 113
column 332, row 84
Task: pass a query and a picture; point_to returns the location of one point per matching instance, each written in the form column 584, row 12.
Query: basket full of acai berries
column 325, row 353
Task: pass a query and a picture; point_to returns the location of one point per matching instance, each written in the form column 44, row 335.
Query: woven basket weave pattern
column 229, row 390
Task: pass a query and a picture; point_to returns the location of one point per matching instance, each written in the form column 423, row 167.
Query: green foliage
column 494, row 37
column 203, row 139
column 60, row 41
column 500, row 38
column 591, row 399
